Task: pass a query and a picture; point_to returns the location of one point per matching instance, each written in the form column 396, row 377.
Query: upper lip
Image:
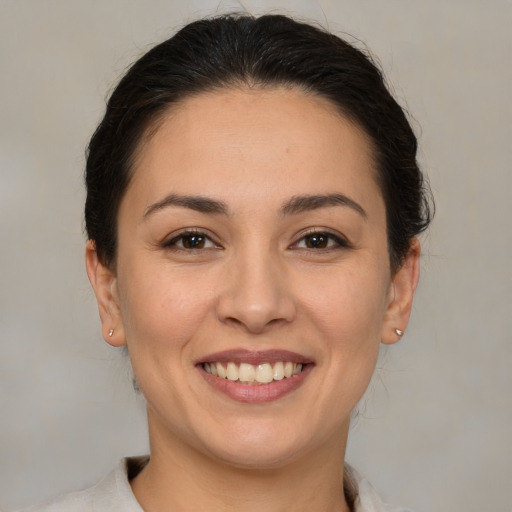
column 254, row 357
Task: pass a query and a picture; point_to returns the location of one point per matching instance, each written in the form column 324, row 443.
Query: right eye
column 190, row 241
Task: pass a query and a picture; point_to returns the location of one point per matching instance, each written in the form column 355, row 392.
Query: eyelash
column 332, row 240
column 174, row 242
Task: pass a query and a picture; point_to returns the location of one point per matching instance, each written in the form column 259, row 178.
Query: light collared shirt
column 114, row 493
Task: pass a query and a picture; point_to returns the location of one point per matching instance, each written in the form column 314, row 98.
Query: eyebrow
column 299, row 204
column 197, row 203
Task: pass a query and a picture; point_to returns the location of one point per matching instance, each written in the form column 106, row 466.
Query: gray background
column 434, row 432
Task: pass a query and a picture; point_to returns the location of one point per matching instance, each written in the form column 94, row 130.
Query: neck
column 181, row 478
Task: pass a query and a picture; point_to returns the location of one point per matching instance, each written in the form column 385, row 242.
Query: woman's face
column 252, row 242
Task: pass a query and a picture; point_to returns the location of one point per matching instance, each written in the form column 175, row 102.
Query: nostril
column 233, row 321
column 254, row 323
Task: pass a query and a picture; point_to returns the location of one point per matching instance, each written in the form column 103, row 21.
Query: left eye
column 191, row 241
column 320, row 240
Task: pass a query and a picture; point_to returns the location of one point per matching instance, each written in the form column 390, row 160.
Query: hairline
column 156, row 119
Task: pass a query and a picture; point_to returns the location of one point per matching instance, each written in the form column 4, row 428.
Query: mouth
column 249, row 376
column 252, row 375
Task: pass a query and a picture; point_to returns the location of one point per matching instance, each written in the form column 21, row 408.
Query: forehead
column 230, row 141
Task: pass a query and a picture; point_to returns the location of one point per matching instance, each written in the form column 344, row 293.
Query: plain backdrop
column 434, row 431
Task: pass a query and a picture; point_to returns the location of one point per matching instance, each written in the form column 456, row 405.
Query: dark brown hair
column 267, row 51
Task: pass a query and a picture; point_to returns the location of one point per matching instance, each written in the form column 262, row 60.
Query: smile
column 250, row 374
column 255, row 376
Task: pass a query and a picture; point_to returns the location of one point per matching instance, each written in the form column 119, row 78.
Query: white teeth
column 249, row 374
column 264, row 373
column 279, row 371
column 221, row 371
column 232, row 371
column 246, row 373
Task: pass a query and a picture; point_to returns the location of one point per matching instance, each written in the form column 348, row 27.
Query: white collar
column 114, row 492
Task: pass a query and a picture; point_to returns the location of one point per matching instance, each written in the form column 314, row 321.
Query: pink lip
column 257, row 393
column 254, row 357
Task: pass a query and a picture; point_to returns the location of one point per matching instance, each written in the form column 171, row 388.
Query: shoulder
column 111, row 494
column 363, row 496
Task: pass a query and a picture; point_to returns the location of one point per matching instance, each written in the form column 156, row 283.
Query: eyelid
column 341, row 240
column 170, row 240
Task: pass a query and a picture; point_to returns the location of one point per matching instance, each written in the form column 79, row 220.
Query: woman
column 253, row 202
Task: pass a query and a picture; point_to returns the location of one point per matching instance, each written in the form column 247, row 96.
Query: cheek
column 348, row 306
column 162, row 310
column 161, row 316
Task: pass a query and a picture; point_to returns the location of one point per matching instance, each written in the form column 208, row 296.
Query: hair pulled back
column 268, row 51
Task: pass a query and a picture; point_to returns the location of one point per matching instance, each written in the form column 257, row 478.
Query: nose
column 256, row 294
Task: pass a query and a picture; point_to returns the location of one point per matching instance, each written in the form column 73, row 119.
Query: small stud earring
column 110, row 333
column 399, row 332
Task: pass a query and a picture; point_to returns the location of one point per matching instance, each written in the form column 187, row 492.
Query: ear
column 104, row 283
column 403, row 286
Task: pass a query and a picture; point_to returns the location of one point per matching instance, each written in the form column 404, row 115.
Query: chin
column 263, row 446
column 257, row 456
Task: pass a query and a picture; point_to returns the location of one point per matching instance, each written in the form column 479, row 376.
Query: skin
column 255, row 284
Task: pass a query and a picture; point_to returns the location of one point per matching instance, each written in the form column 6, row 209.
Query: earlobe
column 403, row 286
column 104, row 283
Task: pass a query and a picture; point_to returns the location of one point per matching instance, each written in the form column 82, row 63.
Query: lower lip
column 257, row 393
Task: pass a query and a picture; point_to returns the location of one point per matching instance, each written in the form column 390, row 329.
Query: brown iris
column 316, row 241
column 193, row 241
